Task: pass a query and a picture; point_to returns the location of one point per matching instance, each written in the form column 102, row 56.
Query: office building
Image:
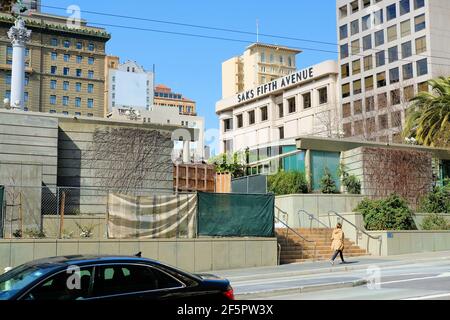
column 166, row 98
column 128, row 85
column 260, row 63
column 64, row 66
column 389, row 49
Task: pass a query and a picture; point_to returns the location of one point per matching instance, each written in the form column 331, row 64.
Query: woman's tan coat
column 338, row 240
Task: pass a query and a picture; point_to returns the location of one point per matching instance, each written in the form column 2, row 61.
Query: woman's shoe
column 332, row 262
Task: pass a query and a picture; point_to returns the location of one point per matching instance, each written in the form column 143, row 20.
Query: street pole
column 19, row 36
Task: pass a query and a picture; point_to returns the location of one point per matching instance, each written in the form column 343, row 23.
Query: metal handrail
column 358, row 230
column 311, row 218
column 298, row 234
column 279, row 254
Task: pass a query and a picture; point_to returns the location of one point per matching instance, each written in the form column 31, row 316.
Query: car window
column 122, row 279
column 67, row 285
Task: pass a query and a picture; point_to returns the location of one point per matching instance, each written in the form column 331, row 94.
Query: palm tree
column 428, row 120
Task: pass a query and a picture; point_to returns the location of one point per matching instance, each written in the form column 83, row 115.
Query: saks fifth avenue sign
column 277, row 84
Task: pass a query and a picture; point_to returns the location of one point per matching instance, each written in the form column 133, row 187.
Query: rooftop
column 274, row 46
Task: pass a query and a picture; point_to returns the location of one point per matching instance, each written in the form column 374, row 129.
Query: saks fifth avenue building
column 275, row 113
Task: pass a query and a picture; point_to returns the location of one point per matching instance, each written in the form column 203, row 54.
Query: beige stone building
column 165, row 97
column 64, row 66
column 260, row 63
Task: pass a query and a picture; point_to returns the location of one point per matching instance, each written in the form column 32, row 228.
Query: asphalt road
column 419, row 281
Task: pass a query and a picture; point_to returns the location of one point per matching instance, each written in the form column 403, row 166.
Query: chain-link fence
column 60, row 212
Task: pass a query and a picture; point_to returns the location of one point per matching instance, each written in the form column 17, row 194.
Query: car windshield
column 18, row 278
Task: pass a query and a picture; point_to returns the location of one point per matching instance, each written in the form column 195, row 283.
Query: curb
column 298, row 290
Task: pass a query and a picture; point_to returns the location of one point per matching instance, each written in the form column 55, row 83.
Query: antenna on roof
column 257, row 31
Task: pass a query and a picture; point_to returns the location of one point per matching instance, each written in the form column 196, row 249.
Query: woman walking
column 338, row 243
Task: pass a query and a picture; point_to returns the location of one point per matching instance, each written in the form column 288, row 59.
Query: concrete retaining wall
column 194, row 255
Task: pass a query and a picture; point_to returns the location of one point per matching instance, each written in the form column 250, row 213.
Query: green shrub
column 391, row 213
column 292, row 182
column 437, row 201
column 435, row 221
column 327, row 184
column 350, row 182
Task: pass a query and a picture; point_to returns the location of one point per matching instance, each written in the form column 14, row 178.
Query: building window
column 91, row 74
column 345, row 71
column 344, row 51
column 8, row 94
column 90, row 114
column 408, row 92
column 346, row 110
column 391, row 12
column 66, row 71
column 346, row 90
column 354, row 27
column 53, row 84
column 91, row 61
column 66, row 44
column 366, row 23
column 53, row 69
column 380, row 58
column 357, row 87
column 79, row 59
column 78, row 102
column 423, row 87
column 323, row 95
column 65, row 101
column 292, row 105
column 263, row 57
column 281, row 132
column 421, row 45
column 359, row 128
column 9, row 51
column 90, row 88
column 228, row 146
column 79, row 73
column 79, row 45
column 422, row 67
column 91, row 47
column 27, row 80
column 379, row 38
column 404, row 7
column 368, row 63
column 356, row 67
column 367, row 42
column 306, row 100
column 382, row 100
column 78, row 114
column 393, row 54
column 406, row 49
column 381, row 79
column 8, row 78
column 394, row 75
column 368, row 83
column 343, row 12
column 65, row 85
column 370, row 104
column 52, row 100
column 54, row 56
column 405, row 28
column 392, row 33
column 396, row 119
column 408, row 71
column 52, row 111
column 355, row 6
column 383, row 122
column 356, row 48
column 26, row 97
column 357, row 107
column 251, row 117
column 343, row 32
column 280, row 110
column 347, row 129
column 419, row 22
column 419, row 4
column 264, row 115
column 78, row 87
column 66, row 57
column 395, row 97
column 378, row 17
column 240, row 121
column 54, row 42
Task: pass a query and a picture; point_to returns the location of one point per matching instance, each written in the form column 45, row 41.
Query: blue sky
column 192, row 66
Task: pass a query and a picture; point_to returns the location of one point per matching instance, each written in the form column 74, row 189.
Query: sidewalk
column 314, row 276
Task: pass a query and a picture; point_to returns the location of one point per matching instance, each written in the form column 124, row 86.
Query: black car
column 109, row 278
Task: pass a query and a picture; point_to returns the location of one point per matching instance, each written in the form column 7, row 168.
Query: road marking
column 444, row 275
column 430, row 297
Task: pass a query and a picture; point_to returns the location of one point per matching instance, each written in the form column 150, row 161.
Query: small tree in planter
column 327, row 184
column 350, row 182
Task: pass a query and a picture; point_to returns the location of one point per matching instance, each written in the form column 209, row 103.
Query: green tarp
column 235, row 215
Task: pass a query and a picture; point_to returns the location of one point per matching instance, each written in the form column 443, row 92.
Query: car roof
column 87, row 259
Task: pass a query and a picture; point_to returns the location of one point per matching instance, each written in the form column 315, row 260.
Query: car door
column 133, row 282
column 72, row 283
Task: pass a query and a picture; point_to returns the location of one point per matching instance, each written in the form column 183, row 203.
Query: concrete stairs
column 295, row 249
